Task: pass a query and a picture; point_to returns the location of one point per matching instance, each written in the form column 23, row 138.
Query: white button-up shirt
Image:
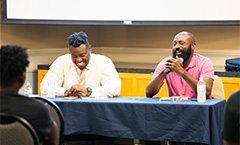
column 100, row 75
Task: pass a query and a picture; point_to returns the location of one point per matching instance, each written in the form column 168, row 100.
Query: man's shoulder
column 65, row 56
column 201, row 58
column 100, row 61
column 31, row 102
column 165, row 59
column 24, row 102
column 99, row 57
column 63, row 59
column 36, row 106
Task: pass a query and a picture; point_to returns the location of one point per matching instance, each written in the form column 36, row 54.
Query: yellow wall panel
column 134, row 84
column 230, row 85
column 127, row 87
column 140, row 82
column 141, row 87
column 163, row 91
column 41, row 74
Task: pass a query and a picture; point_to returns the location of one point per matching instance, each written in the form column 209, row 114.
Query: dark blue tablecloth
column 145, row 118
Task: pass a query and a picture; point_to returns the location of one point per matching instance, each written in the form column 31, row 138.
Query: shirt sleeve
column 207, row 68
column 110, row 82
column 56, row 70
column 160, row 67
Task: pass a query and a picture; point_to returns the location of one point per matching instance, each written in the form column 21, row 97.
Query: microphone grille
column 181, row 59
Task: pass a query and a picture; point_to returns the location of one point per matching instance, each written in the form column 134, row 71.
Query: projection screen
column 122, row 12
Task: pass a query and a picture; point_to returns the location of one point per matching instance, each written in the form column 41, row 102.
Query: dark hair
column 14, row 60
column 76, row 39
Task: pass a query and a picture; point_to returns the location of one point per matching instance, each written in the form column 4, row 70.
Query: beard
column 184, row 54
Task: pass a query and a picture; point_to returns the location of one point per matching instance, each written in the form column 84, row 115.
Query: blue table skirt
column 145, row 118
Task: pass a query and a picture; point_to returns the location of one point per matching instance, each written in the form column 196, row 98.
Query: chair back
column 15, row 130
column 217, row 89
column 56, row 114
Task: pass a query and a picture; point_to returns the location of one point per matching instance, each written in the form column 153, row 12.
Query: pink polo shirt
column 200, row 66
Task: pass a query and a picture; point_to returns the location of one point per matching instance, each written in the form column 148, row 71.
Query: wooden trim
column 134, row 84
column 124, row 57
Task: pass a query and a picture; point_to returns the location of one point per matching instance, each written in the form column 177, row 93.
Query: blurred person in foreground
column 14, row 60
column 82, row 73
column 231, row 127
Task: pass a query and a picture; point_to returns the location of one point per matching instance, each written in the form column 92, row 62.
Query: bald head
column 190, row 35
column 184, row 45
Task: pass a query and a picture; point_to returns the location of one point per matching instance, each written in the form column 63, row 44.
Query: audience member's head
column 14, row 60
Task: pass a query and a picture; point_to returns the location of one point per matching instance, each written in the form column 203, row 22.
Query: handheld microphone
column 168, row 70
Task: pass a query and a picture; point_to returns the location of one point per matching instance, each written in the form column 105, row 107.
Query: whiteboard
column 122, row 11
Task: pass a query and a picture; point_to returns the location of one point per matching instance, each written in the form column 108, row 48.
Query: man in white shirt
column 83, row 73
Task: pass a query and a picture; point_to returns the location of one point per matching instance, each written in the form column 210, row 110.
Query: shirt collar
column 192, row 63
column 87, row 67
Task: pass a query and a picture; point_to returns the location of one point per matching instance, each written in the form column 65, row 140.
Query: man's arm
column 57, row 70
column 176, row 66
column 158, row 79
column 110, row 83
column 192, row 82
column 155, row 84
column 77, row 90
column 52, row 138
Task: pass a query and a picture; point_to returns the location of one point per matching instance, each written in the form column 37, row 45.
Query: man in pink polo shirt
column 182, row 70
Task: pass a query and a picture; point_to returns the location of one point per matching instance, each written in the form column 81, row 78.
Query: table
column 145, row 118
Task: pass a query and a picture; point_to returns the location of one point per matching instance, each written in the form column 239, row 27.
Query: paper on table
column 92, row 97
column 174, row 99
column 70, row 98
column 33, row 95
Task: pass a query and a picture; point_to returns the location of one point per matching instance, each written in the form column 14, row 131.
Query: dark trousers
column 147, row 142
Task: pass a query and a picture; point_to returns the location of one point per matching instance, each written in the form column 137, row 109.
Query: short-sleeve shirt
column 200, row 66
column 34, row 112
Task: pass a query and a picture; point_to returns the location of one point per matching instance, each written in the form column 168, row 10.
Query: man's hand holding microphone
column 175, row 65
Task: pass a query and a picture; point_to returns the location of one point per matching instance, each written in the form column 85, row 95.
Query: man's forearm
column 110, row 88
column 192, row 82
column 155, row 84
